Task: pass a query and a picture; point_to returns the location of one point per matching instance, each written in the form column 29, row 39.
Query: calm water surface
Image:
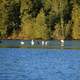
column 39, row 64
column 51, row 62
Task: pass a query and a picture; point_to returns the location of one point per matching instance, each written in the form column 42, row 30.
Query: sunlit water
column 39, row 63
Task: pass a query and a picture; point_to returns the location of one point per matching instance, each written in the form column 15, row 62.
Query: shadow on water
column 51, row 44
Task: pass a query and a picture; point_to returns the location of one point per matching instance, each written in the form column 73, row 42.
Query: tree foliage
column 40, row 28
column 40, row 19
column 76, row 21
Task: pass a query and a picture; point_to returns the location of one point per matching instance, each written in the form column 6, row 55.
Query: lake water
column 39, row 64
column 51, row 62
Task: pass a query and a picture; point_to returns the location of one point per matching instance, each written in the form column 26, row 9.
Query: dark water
column 39, row 64
column 68, row 44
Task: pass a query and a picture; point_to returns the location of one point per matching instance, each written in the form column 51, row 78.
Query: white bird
column 32, row 42
column 22, row 43
column 62, row 42
column 43, row 43
column 46, row 43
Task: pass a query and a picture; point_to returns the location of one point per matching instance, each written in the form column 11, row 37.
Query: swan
column 32, row 42
column 22, row 42
column 62, row 42
column 46, row 43
column 43, row 43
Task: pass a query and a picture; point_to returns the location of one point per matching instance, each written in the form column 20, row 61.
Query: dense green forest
column 40, row 19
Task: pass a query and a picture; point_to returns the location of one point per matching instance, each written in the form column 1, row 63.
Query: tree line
column 40, row 19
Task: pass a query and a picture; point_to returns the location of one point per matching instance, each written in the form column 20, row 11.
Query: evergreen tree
column 58, row 8
column 40, row 28
column 76, row 21
column 26, row 19
column 3, row 18
column 12, row 13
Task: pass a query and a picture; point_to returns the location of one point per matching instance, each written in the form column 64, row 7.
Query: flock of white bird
column 43, row 42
